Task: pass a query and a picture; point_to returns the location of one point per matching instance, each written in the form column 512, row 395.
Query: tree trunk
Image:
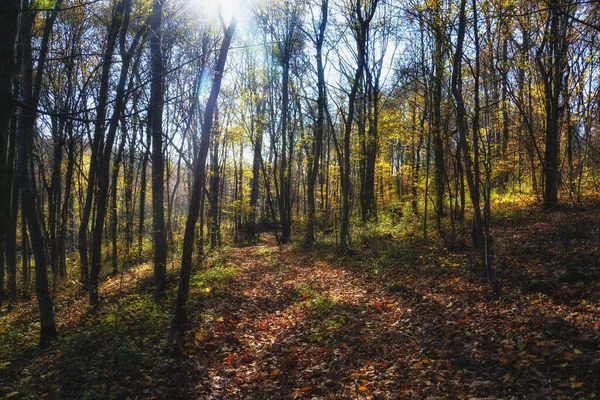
column 361, row 30
column 198, row 184
column 96, row 152
column 554, row 53
column 103, row 174
column 155, row 118
column 24, row 181
column 256, row 162
column 9, row 29
column 214, row 185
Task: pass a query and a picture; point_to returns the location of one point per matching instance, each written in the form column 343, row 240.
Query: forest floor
column 398, row 318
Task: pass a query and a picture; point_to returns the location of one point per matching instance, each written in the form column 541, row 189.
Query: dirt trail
column 292, row 325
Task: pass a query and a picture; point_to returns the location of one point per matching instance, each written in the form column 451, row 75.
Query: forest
column 299, row 199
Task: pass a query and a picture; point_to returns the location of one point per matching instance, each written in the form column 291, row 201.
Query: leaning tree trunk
column 198, row 183
column 103, row 173
column 96, row 149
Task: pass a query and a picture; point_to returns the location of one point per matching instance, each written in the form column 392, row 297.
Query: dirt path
column 294, row 326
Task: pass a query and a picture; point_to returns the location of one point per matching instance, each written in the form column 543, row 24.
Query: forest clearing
column 320, row 199
column 397, row 318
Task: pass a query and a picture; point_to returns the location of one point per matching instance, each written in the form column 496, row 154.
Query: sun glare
column 227, row 8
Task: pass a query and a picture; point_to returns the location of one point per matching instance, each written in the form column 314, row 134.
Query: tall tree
column 155, row 118
column 9, row 27
column 361, row 14
column 199, row 178
column 25, row 183
column 314, row 158
column 552, row 64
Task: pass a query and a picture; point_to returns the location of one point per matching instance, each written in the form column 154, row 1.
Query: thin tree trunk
column 155, row 118
column 24, row 181
column 199, row 177
column 314, row 161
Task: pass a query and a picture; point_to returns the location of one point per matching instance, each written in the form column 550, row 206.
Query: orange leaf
column 363, row 388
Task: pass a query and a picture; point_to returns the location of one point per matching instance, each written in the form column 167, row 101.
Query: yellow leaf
column 11, row 394
column 568, row 356
column 577, row 351
column 26, row 379
column 355, row 375
column 575, row 385
column 503, row 361
column 220, row 319
column 363, row 388
column 506, row 378
column 199, row 336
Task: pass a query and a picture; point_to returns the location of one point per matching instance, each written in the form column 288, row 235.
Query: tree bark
column 315, row 159
column 155, row 118
column 24, row 181
column 9, row 27
column 198, row 183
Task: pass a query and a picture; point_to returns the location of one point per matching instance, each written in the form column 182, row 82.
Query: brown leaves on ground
column 397, row 319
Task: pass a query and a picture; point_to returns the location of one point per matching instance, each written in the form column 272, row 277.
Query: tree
column 360, row 16
column 552, row 65
column 314, row 157
column 155, row 126
column 8, row 37
column 24, row 182
column 198, row 179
